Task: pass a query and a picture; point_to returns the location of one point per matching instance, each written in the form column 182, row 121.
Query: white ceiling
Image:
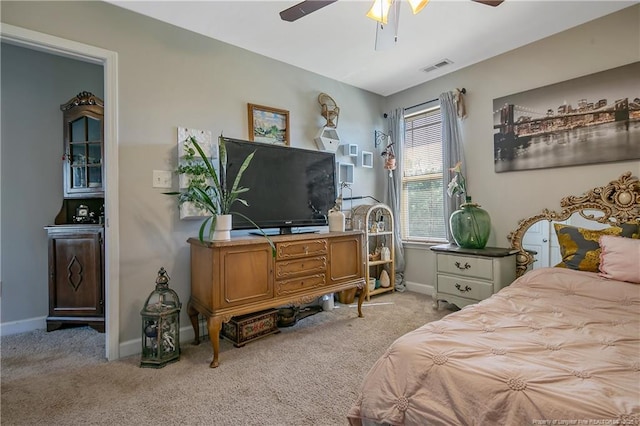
column 338, row 41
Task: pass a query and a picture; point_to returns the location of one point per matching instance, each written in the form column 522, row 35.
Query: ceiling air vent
column 442, row 63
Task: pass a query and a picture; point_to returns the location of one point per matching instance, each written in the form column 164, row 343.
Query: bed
column 560, row 345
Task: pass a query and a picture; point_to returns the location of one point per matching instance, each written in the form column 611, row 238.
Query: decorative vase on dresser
column 470, row 225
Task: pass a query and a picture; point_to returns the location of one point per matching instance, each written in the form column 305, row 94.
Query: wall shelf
column 366, row 159
column 345, row 173
column 350, row 149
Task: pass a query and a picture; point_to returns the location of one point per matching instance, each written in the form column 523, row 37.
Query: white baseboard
column 134, row 346
column 420, row 288
column 130, row 347
column 23, row 326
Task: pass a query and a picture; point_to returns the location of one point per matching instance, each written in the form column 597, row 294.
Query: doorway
column 57, row 46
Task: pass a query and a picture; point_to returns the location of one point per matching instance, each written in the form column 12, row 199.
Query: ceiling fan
column 306, row 7
column 303, row 8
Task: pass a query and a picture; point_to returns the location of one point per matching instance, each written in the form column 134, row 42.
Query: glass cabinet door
column 84, row 135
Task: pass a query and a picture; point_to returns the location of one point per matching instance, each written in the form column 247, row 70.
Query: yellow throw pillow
column 630, row 229
column 579, row 247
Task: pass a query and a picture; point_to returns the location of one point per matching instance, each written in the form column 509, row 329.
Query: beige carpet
column 308, row 374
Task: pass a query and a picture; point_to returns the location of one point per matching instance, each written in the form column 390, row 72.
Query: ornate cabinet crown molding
column 81, row 99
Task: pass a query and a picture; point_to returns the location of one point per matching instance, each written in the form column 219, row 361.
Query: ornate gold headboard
column 619, row 202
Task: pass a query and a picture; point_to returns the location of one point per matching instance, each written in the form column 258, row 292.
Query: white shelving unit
column 350, row 149
column 366, row 159
column 368, row 218
column 345, row 173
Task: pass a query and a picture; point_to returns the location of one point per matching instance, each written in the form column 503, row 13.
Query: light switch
column 162, row 178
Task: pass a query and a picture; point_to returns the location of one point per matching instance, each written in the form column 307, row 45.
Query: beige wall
column 169, row 77
column 599, row 45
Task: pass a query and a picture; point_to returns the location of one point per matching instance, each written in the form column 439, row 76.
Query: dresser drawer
column 464, row 287
column 295, row 285
column 466, row 266
column 293, row 249
column 304, row 266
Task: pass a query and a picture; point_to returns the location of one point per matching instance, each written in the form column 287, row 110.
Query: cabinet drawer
column 464, row 287
column 304, row 266
column 466, row 266
column 295, row 249
column 295, row 285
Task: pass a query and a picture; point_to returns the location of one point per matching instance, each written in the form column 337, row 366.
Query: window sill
column 421, row 245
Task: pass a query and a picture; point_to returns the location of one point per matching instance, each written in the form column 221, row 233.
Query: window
column 422, row 203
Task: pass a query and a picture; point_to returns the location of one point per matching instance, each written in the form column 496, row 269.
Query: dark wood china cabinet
column 76, row 240
column 76, row 277
column 83, row 146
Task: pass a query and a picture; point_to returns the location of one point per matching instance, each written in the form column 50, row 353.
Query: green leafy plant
column 209, row 191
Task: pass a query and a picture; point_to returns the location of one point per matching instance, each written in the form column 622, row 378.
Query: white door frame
column 109, row 60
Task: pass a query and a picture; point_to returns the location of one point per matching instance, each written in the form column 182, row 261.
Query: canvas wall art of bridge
column 592, row 131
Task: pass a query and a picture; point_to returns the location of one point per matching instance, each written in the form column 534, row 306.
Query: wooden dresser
column 240, row 276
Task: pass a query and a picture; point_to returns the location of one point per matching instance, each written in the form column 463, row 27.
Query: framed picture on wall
column 591, row 119
column 270, row 125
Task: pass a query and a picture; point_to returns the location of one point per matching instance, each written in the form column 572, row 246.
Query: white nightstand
column 466, row 276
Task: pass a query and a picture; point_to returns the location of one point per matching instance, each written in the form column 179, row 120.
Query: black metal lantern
column 161, row 325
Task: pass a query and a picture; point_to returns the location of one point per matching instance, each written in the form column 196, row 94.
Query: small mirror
column 541, row 241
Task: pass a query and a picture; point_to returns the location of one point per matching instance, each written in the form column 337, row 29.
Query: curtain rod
column 463, row 91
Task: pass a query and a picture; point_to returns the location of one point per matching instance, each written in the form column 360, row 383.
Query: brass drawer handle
column 462, row 268
column 463, row 290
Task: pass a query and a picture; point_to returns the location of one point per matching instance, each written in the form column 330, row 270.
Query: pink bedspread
column 555, row 347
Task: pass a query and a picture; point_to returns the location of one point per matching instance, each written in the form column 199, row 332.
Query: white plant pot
column 222, row 231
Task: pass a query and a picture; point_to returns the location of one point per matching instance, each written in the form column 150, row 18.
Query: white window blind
column 422, row 204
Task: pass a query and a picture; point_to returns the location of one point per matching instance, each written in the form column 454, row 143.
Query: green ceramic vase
column 470, row 226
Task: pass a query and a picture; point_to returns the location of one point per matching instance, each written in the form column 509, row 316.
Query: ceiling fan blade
column 303, row 9
column 493, row 3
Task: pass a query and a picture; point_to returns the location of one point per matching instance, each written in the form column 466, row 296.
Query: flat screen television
column 288, row 187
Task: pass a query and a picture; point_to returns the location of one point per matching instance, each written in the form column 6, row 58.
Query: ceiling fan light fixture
column 380, row 10
column 417, row 5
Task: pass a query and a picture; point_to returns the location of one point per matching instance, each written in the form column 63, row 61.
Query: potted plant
column 209, row 191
